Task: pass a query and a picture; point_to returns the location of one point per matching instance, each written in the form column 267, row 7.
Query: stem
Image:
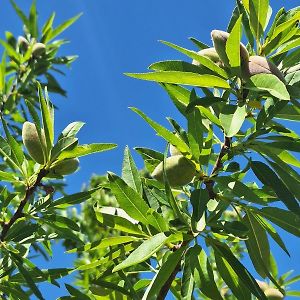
column 19, row 212
column 218, row 165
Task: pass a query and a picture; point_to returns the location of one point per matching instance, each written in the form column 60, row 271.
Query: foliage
column 30, row 210
column 140, row 236
column 193, row 238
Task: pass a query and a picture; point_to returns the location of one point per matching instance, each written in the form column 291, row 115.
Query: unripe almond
column 65, row 167
column 273, row 294
column 32, row 142
column 174, row 150
column 38, row 49
column 260, row 65
column 179, row 171
column 23, row 43
column 263, row 285
column 220, row 38
column 210, row 53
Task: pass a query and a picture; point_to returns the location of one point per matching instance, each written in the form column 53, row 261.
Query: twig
column 218, row 165
column 19, row 212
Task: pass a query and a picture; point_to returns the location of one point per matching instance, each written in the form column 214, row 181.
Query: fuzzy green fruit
column 22, row 43
column 179, row 171
column 263, row 285
column 32, row 142
column 38, row 49
column 260, row 65
column 210, row 53
column 65, row 167
column 273, row 294
column 219, row 39
column 174, row 151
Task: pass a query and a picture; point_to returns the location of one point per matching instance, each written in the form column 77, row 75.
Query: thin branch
column 19, row 212
column 218, row 165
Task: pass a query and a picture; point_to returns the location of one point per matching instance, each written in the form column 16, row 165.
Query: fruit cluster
column 36, row 146
column 250, row 65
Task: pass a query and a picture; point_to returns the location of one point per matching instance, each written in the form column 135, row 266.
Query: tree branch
column 19, row 212
column 218, row 165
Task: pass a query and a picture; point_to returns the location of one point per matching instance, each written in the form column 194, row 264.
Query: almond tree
column 231, row 174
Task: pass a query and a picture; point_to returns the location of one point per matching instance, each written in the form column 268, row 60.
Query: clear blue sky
column 113, row 37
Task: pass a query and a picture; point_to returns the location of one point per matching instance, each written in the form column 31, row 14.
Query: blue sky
column 113, row 37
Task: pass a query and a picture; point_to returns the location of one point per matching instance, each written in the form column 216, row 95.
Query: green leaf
column 16, row 148
column 187, row 280
column 27, row 277
column 157, row 221
column 118, row 222
column 195, row 133
column 5, row 150
column 20, row 13
column 71, row 130
column 47, row 117
column 33, row 25
column 287, row 220
column 203, row 273
column 273, row 233
column 280, row 156
column 243, row 274
column 163, row 274
column 257, row 244
column 199, row 199
column 86, row 149
column 232, row 118
column 203, row 101
column 130, row 173
column 266, row 175
column 73, row 199
column 258, row 11
column 179, row 95
column 76, row 293
column 144, row 251
column 175, row 65
column 289, row 112
column 231, row 278
column 9, row 177
column 133, row 204
column 269, row 83
column 63, row 145
column 104, row 243
column 233, row 46
column 198, row 43
column 238, row 188
column 203, row 60
column 165, row 133
column 104, row 284
column 291, row 182
column 185, row 78
column 62, row 27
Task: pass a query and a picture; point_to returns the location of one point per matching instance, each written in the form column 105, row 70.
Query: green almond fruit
column 219, row 39
column 179, row 171
column 210, row 53
column 38, row 49
column 263, row 285
column 64, row 167
column 23, row 43
column 32, row 142
column 174, row 151
column 260, row 65
column 273, row 294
